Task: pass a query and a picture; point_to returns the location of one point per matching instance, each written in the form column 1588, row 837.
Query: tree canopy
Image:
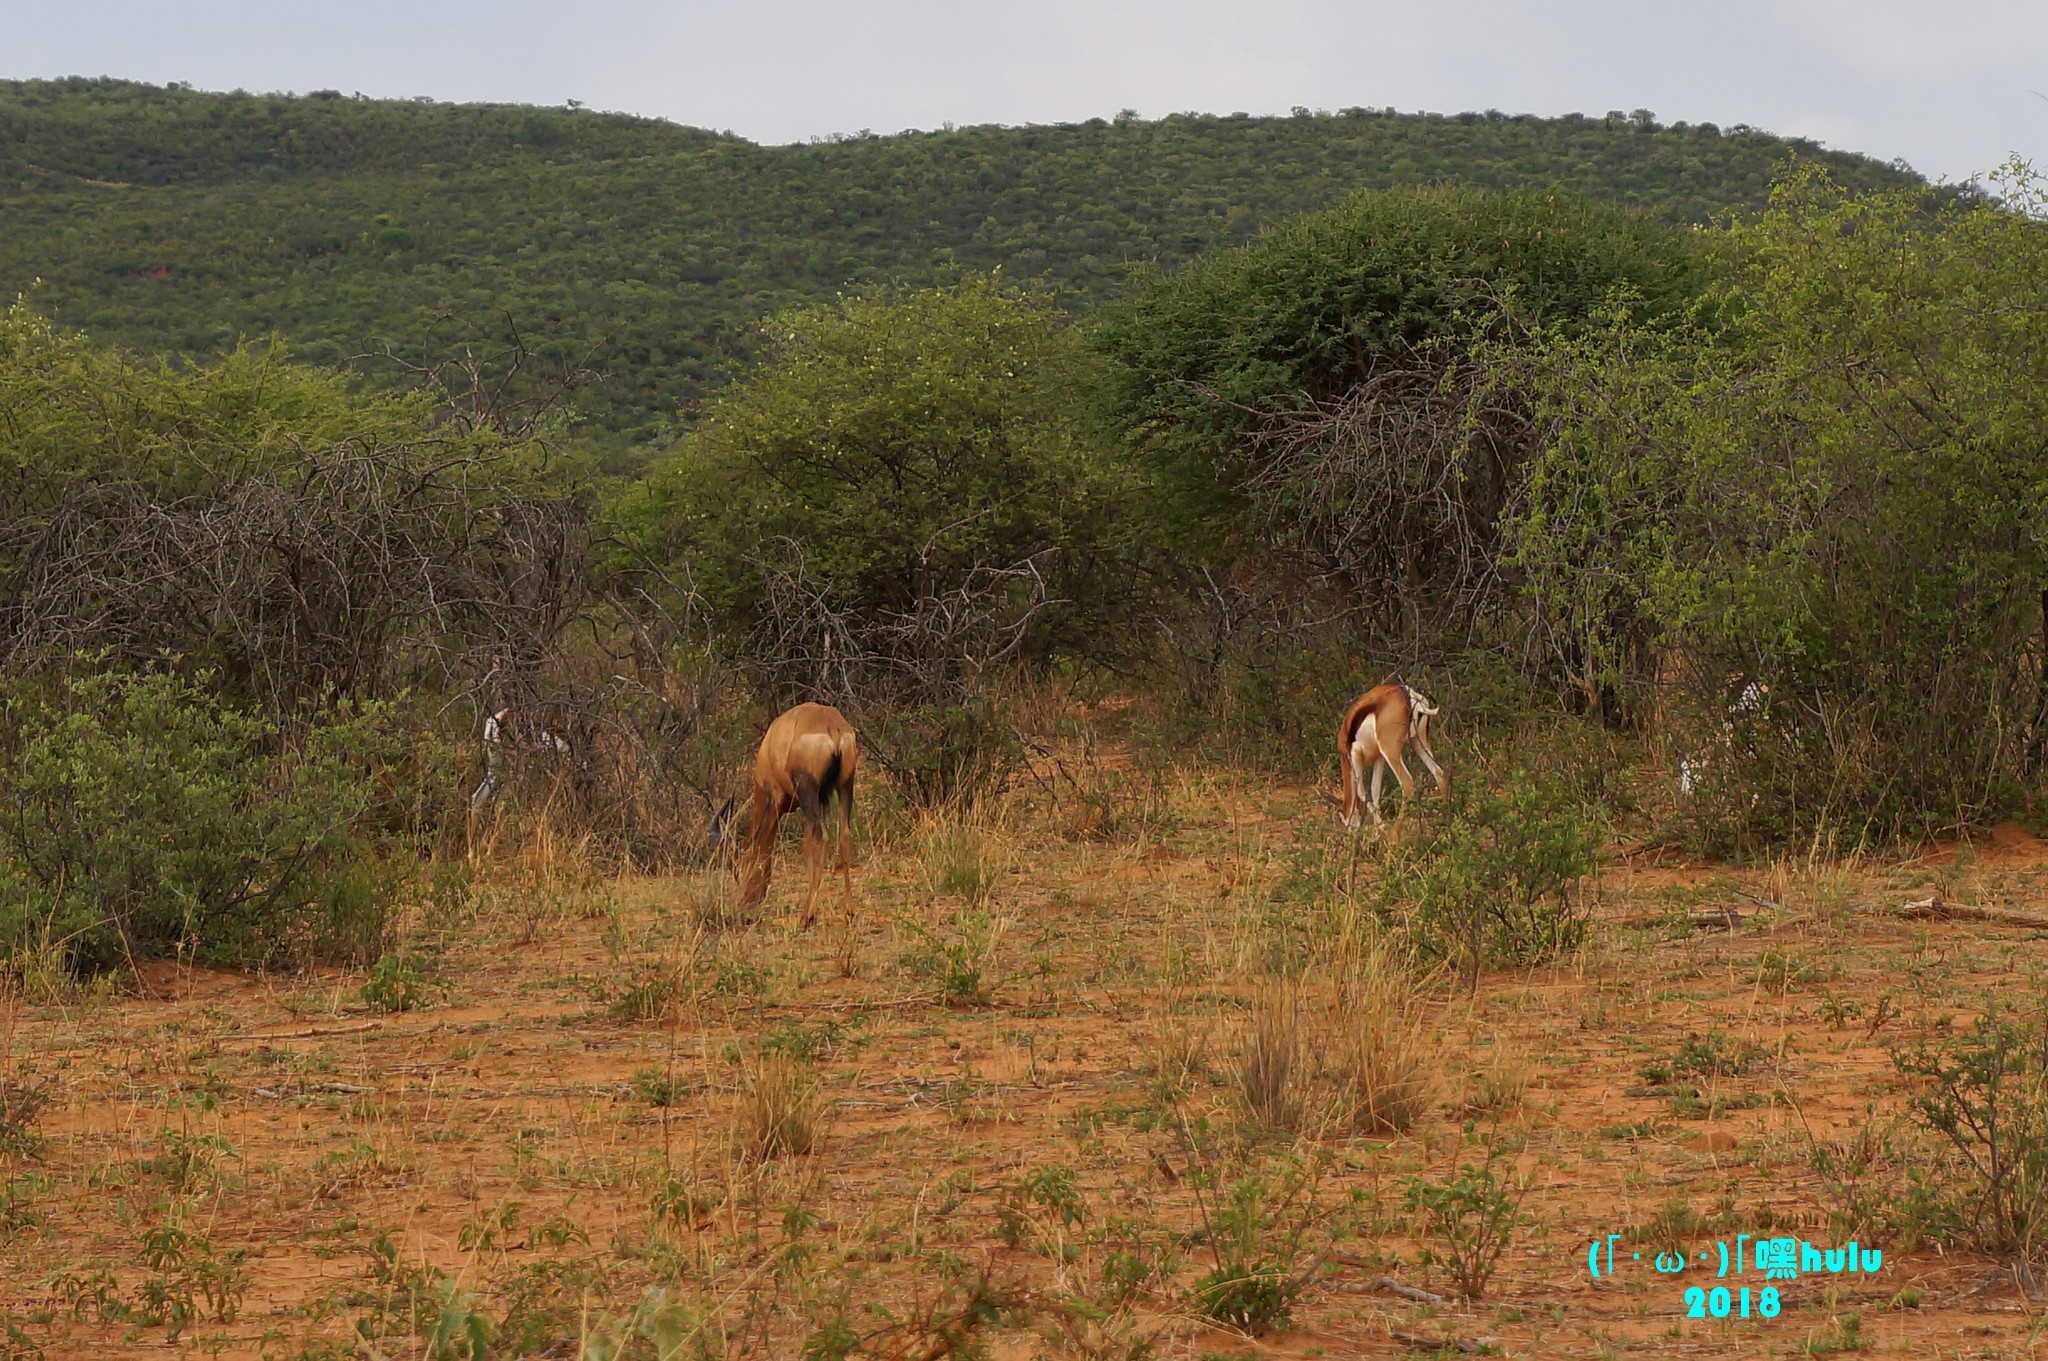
column 169, row 220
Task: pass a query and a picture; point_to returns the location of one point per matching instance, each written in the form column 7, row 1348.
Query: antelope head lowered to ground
column 806, row 762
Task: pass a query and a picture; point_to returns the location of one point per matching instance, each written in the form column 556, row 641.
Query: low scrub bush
column 1985, row 1092
column 152, row 817
column 402, row 981
column 23, row 1099
column 939, row 754
column 1267, row 1234
column 1490, row 879
column 1472, row 1217
column 963, row 963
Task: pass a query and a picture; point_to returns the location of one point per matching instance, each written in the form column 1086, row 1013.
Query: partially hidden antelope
column 1746, row 709
column 507, row 733
column 806, row 762
column 1378, row 728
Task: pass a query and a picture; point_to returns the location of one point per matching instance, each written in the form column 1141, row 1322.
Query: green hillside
column 175, row 221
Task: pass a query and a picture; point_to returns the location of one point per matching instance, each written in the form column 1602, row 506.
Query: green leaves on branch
column 899, row 499
column 1840, row 489
column 147, row 816
column 1206, row 361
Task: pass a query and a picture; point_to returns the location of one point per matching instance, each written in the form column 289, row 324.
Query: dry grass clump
column 1380, row 1053
column 1499, row 1086
column 782, row 1110
column 1273, row 1075
column 1364, row 1064
column 959, row 859
column 1179, row 1046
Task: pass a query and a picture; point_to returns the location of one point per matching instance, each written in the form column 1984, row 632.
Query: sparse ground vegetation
column 1120, row 1125
column 1718, row 550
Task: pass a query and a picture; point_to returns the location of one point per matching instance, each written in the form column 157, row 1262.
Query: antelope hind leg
column 846, row 845
column 1365, row 755
column 1390, row 759
column 807, row 798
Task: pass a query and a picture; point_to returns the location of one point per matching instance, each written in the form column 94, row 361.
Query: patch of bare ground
column 1135, row 1082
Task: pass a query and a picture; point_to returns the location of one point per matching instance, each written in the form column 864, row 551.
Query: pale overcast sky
column 1953, row 88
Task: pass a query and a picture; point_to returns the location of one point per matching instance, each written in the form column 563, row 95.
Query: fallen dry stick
column 1438, row 1344
column 1386, row 1283
column 313, row 1033
column 1934, row 909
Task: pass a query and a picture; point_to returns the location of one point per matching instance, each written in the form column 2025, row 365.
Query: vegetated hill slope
column 172, row 220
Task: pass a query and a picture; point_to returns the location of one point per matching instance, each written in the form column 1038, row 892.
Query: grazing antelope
column 1378, row 726
column 806, row 760
column 506, row 733
column 1751, row 696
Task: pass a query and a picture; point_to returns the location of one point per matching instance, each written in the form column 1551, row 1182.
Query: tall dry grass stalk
column 713, row 897
column 536, row 876
column 1178, row 1044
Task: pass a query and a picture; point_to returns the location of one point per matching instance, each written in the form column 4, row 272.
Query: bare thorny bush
column 450, row 565
column 1394, row 491
column 1379, row 519
column 916, row 681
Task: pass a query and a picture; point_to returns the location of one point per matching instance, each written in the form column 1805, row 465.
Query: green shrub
column 1490, row 877
column 1985, row 1091
column 1473, row 1217
column 938, row 754
column 1262, row 1240
column 963, row 962
column 23, row 1099
column 150, row 817
column 1836, row 491
column 402, row 981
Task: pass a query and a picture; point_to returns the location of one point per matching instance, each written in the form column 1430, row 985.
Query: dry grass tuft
column 1499, row 1086
column 782, row 1110
column 959, row 859
column 1381, row 1056
column 1179, row 1047
column 1272, row 1072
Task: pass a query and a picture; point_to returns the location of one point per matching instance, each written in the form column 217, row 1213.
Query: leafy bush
column 1473, row 1218
column 1985, row 1091
column 150, row 816
column 264, row 522
column 1041, row 1211
column 896, row 498
column 1490, row 877
column 962, row 962
column 401, row 981
column 23, row 1098
column 1262, row 1241
column 1836, row 490
column 1232, row 376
